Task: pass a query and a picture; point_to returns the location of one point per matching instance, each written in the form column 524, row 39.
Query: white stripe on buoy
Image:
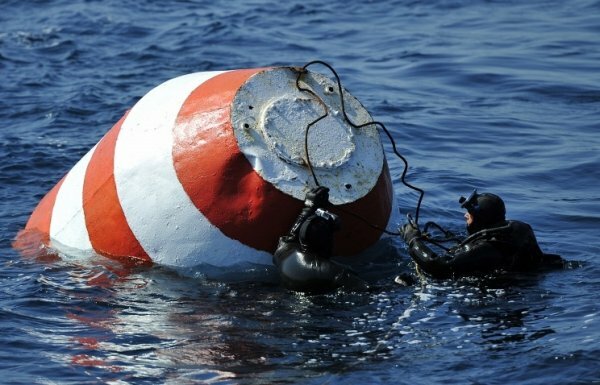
column 173, row 233
column 67, row 226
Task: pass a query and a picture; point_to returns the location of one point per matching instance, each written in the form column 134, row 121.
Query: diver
column 493, row 243
column 303, row 256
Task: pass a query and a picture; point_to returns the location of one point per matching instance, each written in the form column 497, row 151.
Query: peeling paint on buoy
column 210, row 168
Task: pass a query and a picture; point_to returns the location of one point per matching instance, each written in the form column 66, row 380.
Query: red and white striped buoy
column 209, row 168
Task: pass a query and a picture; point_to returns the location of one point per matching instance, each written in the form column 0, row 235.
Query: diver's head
column 483, row 211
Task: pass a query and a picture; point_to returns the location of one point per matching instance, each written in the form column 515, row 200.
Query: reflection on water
column 144, row 323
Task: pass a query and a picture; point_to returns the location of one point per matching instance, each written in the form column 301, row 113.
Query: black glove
column 409, row 232
column 318, row 197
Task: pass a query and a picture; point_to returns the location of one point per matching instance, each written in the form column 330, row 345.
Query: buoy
column 210, row 168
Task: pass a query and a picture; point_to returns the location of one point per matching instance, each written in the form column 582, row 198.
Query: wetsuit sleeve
column 470, row 258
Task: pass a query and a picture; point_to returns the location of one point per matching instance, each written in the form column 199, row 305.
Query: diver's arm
column 480, row 257
column 303, row 256
column 428, row 260
column 438, row 266
column 468, row 258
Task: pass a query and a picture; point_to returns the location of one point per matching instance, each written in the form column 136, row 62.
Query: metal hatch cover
column 270, row 115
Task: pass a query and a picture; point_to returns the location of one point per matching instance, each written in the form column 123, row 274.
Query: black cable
column 376, row 123
column 306, row 154
column 372, row 225
column 448, row 235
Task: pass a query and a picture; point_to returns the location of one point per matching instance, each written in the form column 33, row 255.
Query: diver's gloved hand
column 409, row 232
column 317, row 197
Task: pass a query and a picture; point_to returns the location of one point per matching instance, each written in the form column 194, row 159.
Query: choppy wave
column 501, row 96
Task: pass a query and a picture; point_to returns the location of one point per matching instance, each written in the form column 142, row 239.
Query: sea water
column 499, row 96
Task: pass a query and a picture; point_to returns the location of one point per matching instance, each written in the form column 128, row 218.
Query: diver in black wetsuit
column 494, row 243
column 303, row 256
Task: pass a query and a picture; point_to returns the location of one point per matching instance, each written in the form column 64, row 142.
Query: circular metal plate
column 270, row 116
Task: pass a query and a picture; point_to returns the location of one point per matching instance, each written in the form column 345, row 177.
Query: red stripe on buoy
column 37, row 229
column 223, row 185
column 42, row 215
column 106, row 224
column 217, row 177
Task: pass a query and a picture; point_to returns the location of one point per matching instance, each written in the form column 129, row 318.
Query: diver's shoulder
column 516, row 225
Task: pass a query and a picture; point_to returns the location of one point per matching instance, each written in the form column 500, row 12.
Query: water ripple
column 498, row 96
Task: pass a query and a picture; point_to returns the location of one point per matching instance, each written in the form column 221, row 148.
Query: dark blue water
column 502, row 96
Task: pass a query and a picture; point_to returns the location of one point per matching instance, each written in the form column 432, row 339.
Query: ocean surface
column 503, row 96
